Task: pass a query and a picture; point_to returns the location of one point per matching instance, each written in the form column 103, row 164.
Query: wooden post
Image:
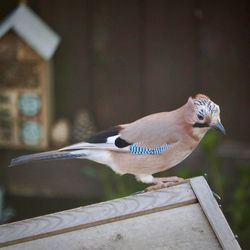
column 185, row 216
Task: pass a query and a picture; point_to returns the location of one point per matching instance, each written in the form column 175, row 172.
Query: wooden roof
column 185, row 216
column 32, row 29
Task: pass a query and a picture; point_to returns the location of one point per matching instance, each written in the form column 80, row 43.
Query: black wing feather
column 102, row 137
column 120, row 143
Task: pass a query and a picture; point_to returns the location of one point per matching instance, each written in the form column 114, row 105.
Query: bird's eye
column 200, row 117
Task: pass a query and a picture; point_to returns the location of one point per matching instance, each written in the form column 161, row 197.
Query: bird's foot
column 163, row 182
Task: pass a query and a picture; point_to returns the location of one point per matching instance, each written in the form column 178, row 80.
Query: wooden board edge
column 214, row 214
column 97, row 223
column 122, row 216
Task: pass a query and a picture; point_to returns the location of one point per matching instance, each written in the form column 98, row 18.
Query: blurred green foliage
column 231, row 183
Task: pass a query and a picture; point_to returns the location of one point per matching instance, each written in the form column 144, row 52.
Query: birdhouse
column 27, row 45
column 183, row 217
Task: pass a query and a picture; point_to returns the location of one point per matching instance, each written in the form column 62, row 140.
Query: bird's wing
column 152, row 130
column 148, row 132
column 108, row 139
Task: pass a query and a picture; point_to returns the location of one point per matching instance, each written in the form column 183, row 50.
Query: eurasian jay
column 146, row 146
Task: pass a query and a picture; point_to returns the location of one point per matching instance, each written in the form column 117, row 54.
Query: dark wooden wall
column 124, row 59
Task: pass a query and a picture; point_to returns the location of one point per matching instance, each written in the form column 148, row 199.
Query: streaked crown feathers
column 204, row 106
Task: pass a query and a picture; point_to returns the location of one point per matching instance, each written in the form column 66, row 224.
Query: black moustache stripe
column 200, row 125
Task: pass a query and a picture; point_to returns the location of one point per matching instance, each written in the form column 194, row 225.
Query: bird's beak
column 218, row 126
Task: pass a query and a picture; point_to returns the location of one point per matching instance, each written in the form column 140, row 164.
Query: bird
column 147, row 146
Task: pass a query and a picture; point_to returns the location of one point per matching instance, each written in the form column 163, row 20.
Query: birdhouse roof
column 32, row 29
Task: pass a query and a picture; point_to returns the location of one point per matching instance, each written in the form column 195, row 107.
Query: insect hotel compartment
column 26, row 48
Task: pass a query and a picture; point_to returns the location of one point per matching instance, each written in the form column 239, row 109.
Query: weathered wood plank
column 214, row 214
column 179, row 228
column 93, row 215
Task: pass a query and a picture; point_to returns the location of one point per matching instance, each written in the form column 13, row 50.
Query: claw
column 164, row 182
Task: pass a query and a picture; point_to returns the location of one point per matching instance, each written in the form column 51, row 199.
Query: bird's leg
column 163, row 182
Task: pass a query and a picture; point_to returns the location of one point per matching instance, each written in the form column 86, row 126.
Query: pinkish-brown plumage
column 148, row 145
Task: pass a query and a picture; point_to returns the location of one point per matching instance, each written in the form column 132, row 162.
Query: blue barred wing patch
column 135, row 149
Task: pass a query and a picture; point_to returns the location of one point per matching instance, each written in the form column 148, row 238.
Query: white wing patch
column 112, row 139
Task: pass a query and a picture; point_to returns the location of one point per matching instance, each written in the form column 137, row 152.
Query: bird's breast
column 144, row 162
column 178, row 155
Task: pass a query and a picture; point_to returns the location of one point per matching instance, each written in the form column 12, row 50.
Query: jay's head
column 204, row 114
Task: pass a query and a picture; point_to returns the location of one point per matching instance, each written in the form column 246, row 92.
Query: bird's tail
column 46, row 156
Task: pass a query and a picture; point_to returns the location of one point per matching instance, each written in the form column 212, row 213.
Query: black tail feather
column 44, row 156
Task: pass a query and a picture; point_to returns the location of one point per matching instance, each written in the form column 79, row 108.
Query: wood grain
column 102, row 213
column 182, row 228
column 214, row 214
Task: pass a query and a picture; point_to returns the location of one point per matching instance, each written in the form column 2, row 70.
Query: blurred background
column 70, row 68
